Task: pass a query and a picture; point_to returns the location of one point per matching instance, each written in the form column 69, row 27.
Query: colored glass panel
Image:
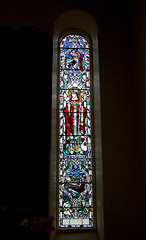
column 74, row 58
column 74, row 41
column 75, row 148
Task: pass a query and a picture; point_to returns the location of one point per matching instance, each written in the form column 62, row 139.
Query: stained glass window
column 75, row 147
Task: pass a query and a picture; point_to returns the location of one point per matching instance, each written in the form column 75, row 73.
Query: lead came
column 75, row 156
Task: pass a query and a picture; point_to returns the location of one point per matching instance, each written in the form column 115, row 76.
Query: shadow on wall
column 26, row 79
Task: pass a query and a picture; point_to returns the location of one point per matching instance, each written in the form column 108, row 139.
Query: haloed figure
column 75, row 113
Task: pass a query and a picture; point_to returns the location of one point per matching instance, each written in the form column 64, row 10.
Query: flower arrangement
column 42, row 224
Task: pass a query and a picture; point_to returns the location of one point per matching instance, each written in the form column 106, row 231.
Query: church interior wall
column 26, row 35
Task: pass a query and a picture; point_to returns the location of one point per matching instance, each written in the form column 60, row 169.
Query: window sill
column 74, row 236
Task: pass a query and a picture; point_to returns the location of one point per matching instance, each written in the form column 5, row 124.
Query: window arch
column 85, row 26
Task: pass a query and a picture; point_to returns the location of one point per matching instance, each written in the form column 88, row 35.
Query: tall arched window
column 75, row 194
column 75, row 144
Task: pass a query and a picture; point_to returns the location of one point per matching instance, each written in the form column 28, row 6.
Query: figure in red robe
column 75, row 114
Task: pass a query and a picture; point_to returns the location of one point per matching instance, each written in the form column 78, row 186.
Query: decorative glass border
column 75, row 148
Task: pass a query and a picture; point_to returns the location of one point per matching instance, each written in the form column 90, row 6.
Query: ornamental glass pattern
column 75, row 148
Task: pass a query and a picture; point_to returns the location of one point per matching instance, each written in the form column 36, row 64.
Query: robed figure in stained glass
column 75, row 114
column 75, row 155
